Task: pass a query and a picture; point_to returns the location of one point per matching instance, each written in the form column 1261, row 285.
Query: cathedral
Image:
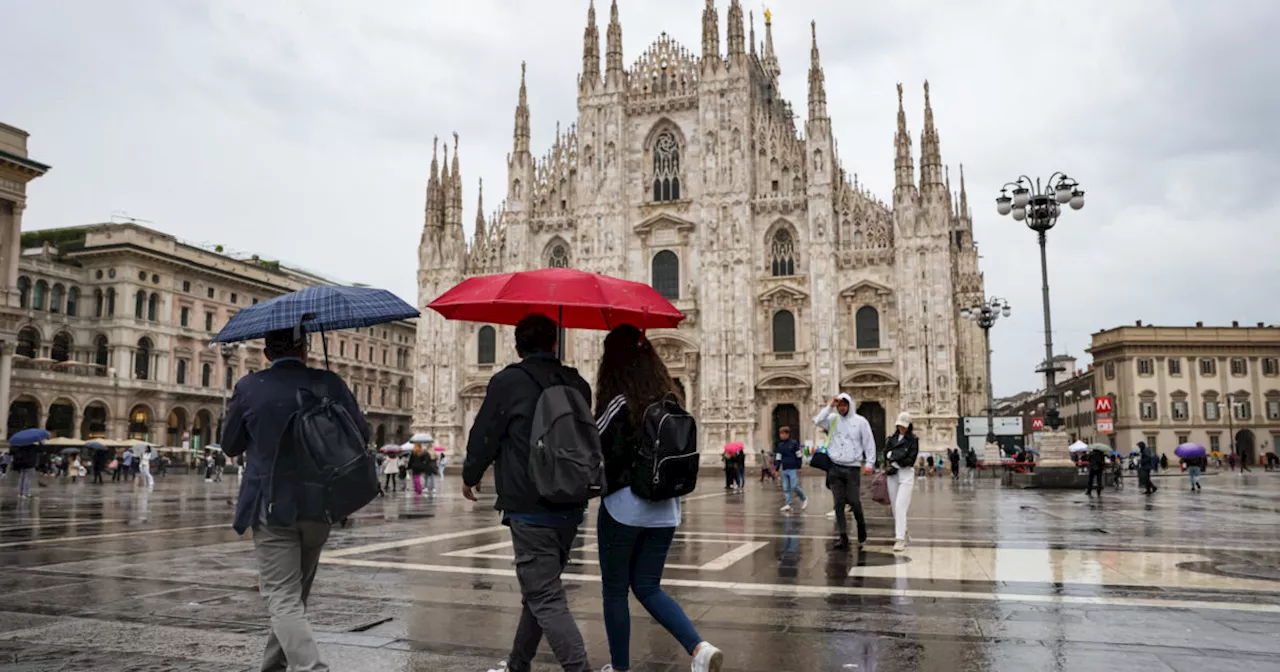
column 691, row 173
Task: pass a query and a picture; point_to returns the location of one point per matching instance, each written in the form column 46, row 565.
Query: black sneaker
column 841, row 544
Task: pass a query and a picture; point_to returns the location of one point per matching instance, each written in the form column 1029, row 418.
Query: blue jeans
column 790, row 483
column 1194, row 473
column 633, row 558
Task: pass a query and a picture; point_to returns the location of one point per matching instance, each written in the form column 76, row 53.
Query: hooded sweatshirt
column 850, row 443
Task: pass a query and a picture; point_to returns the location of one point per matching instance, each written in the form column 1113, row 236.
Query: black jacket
column 422, row 464
column 1097, row 461
column 500, row 432
column 902, row 450
column 257, row 423
column 789, row 455
column 620, row 443
column 25, row 457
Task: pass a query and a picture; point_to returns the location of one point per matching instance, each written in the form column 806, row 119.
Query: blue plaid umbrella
column 28, row 437
column 316, row 309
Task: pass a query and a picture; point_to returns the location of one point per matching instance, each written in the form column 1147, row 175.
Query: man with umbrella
column 26, row 454
column 1097, row 465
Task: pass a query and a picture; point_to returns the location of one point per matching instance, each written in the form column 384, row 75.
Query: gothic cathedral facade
column 691, row 174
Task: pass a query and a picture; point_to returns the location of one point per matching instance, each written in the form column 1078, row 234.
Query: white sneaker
column 831, row 515
column 502, row 667
column 786, row 509
column 708, row 659
column 900, row 546
column 804, row 505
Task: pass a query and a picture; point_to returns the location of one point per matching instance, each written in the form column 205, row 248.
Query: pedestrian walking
column 432, row 469
column 219, row 465
column 740, row 470
column 126, row 465
column 901, row 451
column 970, row 464
column 1194, row 467
column 730, row 469
column 1097, row 465
column 542, row 532
column 852, row 450
column 99, row 465
column 75, row 469
column 1146, row 463
column 788, row 457
column 144, row 468
column 390, row 467
column 1244, row 464
column 440, row 467
column 25, row 459
column 418, row 466
column 953, row 459
column 287, row 548
column 5, row 460
column 1164, row 462
column 635, row 534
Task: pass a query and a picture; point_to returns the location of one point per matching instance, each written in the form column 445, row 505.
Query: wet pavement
column 114, row 578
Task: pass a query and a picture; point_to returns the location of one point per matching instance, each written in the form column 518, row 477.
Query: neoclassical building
column 111, row 327
column 691, row 173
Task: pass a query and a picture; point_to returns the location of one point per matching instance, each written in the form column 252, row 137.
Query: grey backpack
column 566, row 463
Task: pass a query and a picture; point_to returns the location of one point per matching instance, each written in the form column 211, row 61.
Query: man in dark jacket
column 541, row 532
column 789, row 457
column 288, row 549
column 1097, row 464
column 1146, row 464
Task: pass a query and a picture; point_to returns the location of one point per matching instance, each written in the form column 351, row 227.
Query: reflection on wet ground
column 114, row 578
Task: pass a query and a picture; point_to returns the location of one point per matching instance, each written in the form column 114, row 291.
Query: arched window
column 24, row 292
column 559, row 257
column 784, row 331
column 182, row 372
column 142, row 359
column 73, row 301
column 666, row 167
column 99, row 302
column 153, row 307
column 782, row 253
column 111, row 302
column 29, row 342
column 486, row 345
column 228, row 377
column 402, row 395
column 206, row 375
column 140, row 304
column 55, row 299
column 666, row 274
column 101, row 354
column 61, row 350
column 38, row 297
column 867, row 325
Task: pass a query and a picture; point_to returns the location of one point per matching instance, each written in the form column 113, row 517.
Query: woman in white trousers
column 144, row 468
column 900, row 458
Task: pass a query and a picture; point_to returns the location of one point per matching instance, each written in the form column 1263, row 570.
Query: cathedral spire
column 930, row 153
column 710, row 35
column 964, row 197
column 590, row 50
column 752, row 40
column 817, row 81
column 433, row 181
column 479, row 235
column 904, row 168
column 522, row 117
column 613, row 50
column 770, row 59
column 736, row 46
column 455, row 188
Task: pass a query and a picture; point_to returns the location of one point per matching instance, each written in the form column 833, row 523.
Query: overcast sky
column 302, row 130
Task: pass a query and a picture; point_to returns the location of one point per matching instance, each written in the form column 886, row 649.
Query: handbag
column 880, row 489
column 821, row 460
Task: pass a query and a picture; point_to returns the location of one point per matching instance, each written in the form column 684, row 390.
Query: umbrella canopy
column 1078, row 447
column 421, row 438
column 214, row 447
column 1117, row 454
column 438, row 449
column 28, row 437
column 1033, row 451
column 63, row 441
column 734, row 448
column 321, row 308
column 391, row 448
column 575, row 299
column 1189, row 451
column 96, row 445
column 69, row 451
column 1100, row 447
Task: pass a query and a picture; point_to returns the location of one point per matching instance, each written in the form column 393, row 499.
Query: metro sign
column 1037, row 423
column 1103, row 405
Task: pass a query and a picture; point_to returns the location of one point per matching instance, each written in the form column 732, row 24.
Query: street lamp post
column 1039, row 208
column 1231, row 429
column 985, row 314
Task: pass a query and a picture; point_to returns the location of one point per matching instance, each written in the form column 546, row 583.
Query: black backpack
column 339, row 472
column 667, row 458
column 566, row 463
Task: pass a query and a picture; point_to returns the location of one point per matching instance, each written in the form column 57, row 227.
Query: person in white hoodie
column 853, row 453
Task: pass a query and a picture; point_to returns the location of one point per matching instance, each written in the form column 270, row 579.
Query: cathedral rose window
column 559, row 257
column 666, row 168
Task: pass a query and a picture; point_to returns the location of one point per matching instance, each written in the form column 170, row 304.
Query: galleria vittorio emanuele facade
column 691, row 173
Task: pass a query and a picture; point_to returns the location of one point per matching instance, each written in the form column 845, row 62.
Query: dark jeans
column 632, row 558
column 390, row 480
column 844, row 483
column 1095, row 476
column 541, row 554
column 97, row 475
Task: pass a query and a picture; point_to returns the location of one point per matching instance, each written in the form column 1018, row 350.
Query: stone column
column 13, row 236
column 6, row 375
column 77, row 431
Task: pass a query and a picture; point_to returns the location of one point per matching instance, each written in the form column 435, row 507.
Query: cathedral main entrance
column 784, row 415
column 874, row 413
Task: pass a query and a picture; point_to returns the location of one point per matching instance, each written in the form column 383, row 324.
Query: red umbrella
column 734, row 448
column 575, row 299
